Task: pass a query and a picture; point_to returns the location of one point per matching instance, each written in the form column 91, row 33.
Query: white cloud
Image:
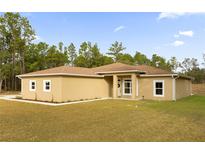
column 119, row 28
column 186, row 33
column 174, row 15
column 178, row 43
column 170, row 15
column 176, row 35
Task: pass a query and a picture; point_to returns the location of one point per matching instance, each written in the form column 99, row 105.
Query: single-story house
column 117, row 80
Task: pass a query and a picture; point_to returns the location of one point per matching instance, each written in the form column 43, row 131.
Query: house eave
column 153, row 75
column 125, row 71
column 101, row 76
column 59, row 74
column 165, row 75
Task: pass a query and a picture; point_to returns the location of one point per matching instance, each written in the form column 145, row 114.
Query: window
column 127, row 87
column 47, row 85
column 159, row 88
column 32, row 85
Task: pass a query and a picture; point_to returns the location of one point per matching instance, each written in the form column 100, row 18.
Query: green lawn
column 108, row 120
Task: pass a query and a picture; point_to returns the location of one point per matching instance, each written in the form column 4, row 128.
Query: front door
column 119, row 88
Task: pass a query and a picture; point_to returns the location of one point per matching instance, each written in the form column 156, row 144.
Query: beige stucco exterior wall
column 183, row 88
column 143, row 86
column 146, row 88
column 54, row 95
column 68, row 88
column 78, row 88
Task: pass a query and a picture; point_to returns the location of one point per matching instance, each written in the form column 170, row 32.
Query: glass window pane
column 158, row 84
column 159, row 92
column 127, row 91
column 127, row 84
column 47, row 87
column 32, row 85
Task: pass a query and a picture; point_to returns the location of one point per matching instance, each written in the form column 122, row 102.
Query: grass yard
column 108, row 120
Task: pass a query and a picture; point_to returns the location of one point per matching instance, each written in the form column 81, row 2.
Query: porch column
column 133, row 76
column 115, row 82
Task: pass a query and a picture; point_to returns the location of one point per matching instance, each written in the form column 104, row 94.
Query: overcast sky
column 167, row 34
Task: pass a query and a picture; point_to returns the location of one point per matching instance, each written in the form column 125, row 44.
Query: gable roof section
column 116, row 68
column 98, row 71
column 63, row 70
column 152, row 70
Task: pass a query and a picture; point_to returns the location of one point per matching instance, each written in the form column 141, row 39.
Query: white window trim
column 30, row 85
column 123, row 87
column 44, row 85
column 154, row 88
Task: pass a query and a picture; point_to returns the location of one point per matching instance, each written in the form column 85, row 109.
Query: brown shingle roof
column 115, row 67
column 152, row 70
column 65, row 69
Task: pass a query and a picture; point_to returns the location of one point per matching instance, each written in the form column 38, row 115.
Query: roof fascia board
column 55, row 74
column 126, row 71
column 151, row 75
column 165, row 75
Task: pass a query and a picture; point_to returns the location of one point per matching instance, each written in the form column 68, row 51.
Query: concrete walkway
column 13, row 98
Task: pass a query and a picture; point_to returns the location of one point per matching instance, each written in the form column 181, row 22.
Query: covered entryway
column 124, row 85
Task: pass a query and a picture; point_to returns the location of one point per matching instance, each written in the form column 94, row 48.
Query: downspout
column 174, row 87
column 21, row 83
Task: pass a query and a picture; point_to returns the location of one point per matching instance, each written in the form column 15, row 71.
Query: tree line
column 19, row 54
